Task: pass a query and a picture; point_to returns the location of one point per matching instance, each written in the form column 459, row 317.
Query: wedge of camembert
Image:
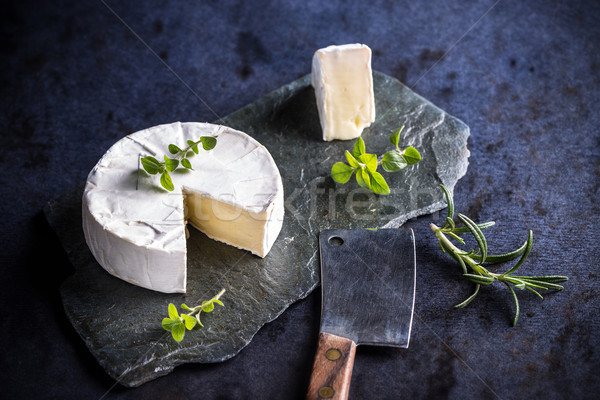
column 343, row 82
column 137, row 231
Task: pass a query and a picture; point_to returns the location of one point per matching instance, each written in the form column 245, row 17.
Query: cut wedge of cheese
column 137, row 231
column 343, row 82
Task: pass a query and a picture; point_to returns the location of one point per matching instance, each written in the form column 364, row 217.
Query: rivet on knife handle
column 332, row 368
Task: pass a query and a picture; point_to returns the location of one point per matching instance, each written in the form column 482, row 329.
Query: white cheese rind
column 136, row 230
column 343, row 82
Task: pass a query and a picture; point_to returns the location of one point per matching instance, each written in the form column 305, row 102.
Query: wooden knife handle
column 332, row 368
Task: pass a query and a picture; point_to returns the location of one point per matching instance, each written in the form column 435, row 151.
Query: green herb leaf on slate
column 359, row 148
column 395, row 138
column 365, row 164
column 177, row 324
column 178, row 331
column 168, row 323
column 370, row 161
column 173, row 312
column 341, row 172
column 208, row 306
column 412, row 155
column 363, row 179
column 378, row 184
column 393, row 161
column 189, row 321
column 351, row 160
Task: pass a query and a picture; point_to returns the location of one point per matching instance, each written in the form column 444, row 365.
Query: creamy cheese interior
column 136, row 230
column 343, row 83
column 230, row 224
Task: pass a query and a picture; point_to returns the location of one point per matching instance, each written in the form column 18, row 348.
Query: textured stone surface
column 120, row 323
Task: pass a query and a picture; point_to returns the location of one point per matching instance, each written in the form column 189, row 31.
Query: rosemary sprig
column 365, row 164
column 472, row 261
column 177, row 324
column 152, row 166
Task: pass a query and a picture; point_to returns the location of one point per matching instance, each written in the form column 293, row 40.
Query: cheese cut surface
column 343, row 83
column 136, row 230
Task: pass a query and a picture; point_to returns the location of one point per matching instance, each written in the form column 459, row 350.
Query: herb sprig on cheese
column 365, row 164
column 152, row 166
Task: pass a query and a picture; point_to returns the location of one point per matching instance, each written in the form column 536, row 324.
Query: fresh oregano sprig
column 152, row 166
column 365, row 164
column 177, row 323
column 472, row 261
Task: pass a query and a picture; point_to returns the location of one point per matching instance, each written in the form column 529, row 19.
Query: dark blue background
column 524, row 75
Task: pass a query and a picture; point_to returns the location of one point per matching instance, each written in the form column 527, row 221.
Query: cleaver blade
column 368, row 293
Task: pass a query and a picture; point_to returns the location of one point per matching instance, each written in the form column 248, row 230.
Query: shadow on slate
column 121, row 323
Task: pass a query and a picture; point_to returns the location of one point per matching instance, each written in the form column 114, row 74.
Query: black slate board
column 120, row 323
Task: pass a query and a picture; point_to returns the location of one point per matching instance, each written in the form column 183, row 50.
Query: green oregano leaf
column 208, row 142
column 378, row 183
column 173, row 314
column 395, row 138
column 171, row 164
column 173, row 149
column 178, row 331
column 151, row 165
column 370, row 161
column 168, row 323
column 166, row 182
column 412, row 155
column 363, row 179
column 393, row 161
column 193, row 145
column 341, row 172
column 359, row 147
column 351, row 160
column 189, row 322
column 186, row 163
column 207, row 306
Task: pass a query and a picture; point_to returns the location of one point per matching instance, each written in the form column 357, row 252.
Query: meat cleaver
column 368, row 294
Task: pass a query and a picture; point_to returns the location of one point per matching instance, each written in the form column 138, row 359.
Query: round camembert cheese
column 137, row 231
